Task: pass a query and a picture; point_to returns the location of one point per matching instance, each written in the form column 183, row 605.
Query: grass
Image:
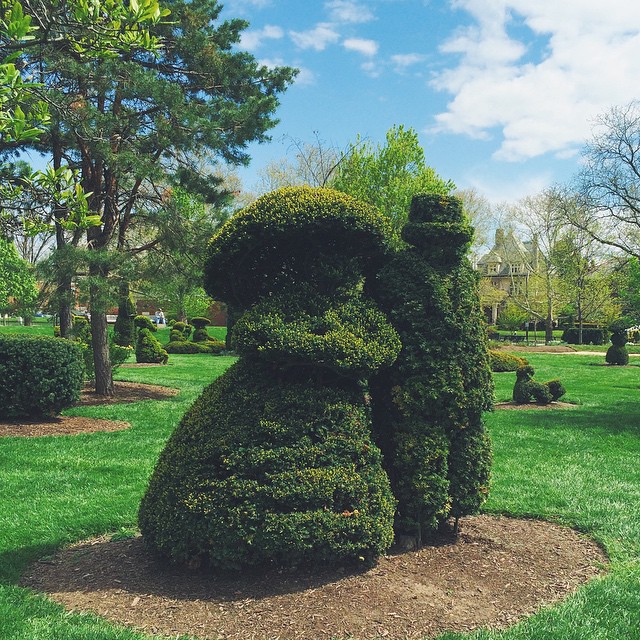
column 579, row 467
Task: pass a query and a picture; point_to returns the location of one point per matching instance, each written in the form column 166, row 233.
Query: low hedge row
column 40, row 376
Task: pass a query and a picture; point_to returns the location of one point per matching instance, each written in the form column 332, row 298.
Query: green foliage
column 273, row 237
column 18, row 291
column 200, row 333
column 184, row 346
column 124, row 328
column 617, row 353
column 590, row 335
column 389, row 175
column 275, row 462
column 512, row 317
column 40, row 376
column 261, row 470
column 428, row 406
column 527, row 390
column 144, row 322
column 149, row 349
column 501, row 361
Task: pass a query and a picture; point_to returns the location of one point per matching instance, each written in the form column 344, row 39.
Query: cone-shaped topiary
column 274, row 462
column 428, row 406
column 124, row 328
column 149, row 349
column 617, row 353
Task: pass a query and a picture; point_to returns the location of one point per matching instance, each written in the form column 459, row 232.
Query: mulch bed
column 74, row 425
column 498, row 571
column 533, row 405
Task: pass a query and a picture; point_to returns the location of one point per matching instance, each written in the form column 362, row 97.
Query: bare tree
column 609, row 183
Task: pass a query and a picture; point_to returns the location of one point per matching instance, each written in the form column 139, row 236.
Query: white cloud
column 349, row 11
column 402, row 61
column 366, row 47
column 586, row 58
column 252, row 40
column 318, row 38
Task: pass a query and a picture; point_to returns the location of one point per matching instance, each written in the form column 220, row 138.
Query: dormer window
column 493, row 268
column 517, row 268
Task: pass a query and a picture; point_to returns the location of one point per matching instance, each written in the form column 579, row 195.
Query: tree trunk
column 99, row 332
column 548, row 325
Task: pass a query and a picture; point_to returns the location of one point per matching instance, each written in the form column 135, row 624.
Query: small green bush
column 617, row 353
column 149, row 349
column 184, row 346
column 40, row 376
column 144, row 322
column 501, row 361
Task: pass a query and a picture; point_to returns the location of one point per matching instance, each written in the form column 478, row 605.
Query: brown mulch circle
column 60, row 426
column 74, row 425
column 127, row 392
column 533, row 405
column 543, row 348
column 498, row 571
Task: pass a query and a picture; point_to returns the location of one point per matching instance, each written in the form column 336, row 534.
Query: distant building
column 507, row 266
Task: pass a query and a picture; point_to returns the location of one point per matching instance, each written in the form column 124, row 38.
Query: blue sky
column 503, row 93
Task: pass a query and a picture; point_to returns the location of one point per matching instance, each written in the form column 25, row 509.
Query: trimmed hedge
column 501, row 361
column 184, row 346
column 40, row 376
column 589, row 335
column 428, row 406
column 275, row 461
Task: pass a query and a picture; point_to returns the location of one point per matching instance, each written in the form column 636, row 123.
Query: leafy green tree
column 388, row 176
column 18, row 290
column 137, row 121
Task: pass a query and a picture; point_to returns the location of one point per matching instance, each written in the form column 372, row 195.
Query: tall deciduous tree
column 134, row 122
column 609, row 182
column 18, row 289
column 389, row 175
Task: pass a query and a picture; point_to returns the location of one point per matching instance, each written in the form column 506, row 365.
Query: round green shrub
column 149, row 349
column 428, row 406
column 501, row 361
column 275, row 461
column 263, row 469
column 617, row 353
column 144, row 322
column 40, row 376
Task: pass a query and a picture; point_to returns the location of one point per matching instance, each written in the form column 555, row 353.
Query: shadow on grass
column 14, row 562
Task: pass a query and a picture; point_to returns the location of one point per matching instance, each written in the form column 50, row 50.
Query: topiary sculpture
column 200, row 333
column 527, row 390
column 144, row 322
column 617, row 353
column 274, row 462
column 124, row 328
column 148, row 347
column 428, row 406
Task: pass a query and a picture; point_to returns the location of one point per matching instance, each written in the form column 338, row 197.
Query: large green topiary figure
column 148, row 347
column 275, row 462
column 124, row 328
column 428, row 406
column 617, row 353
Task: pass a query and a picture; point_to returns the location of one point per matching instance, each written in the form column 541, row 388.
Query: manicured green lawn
column 578, row 466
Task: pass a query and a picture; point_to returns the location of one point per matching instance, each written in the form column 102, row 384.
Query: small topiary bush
column 527, row 390
column 124, row 328
column 275, row 461
column 200, row 333
column 617, row 353
column 144, row 322
column 149, row 349
column 501, row 361
column 40, row 376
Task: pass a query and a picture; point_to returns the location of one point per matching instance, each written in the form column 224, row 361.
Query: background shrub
column 501, row 361
column 589, row 335
column 184, row 346
column 428, row 407
column 149, row 349
column 40, row 375
column 617, row 353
